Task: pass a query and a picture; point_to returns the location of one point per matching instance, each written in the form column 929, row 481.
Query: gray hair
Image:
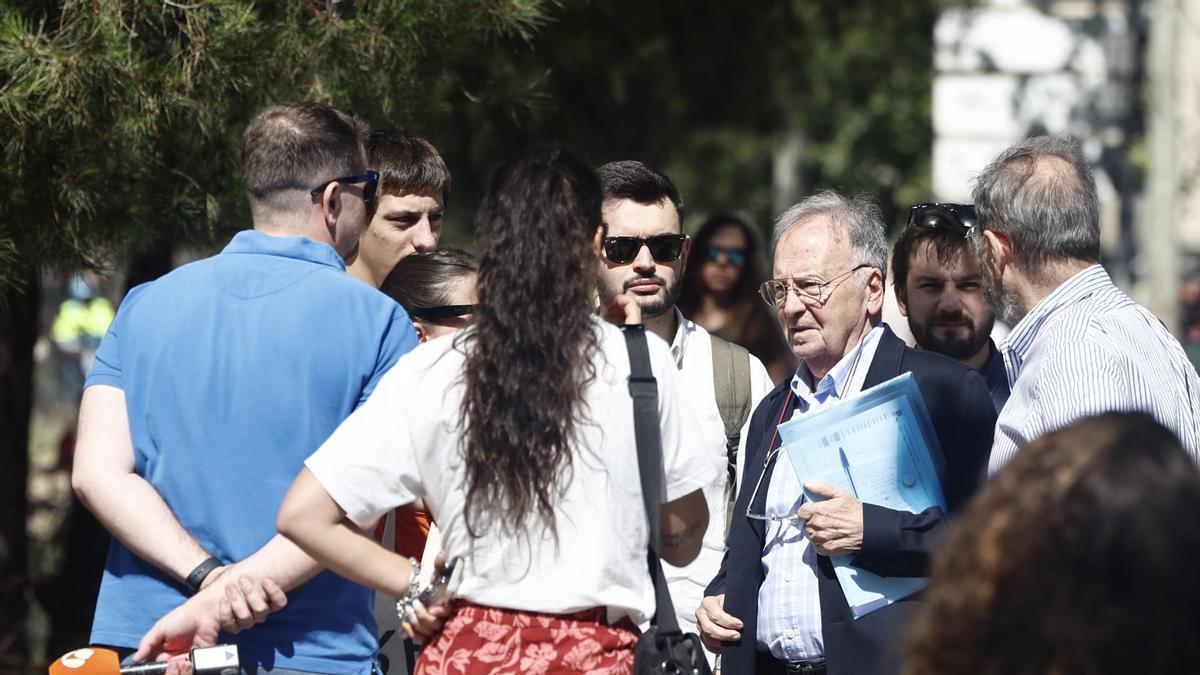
column 858, row 215
column 1041, row 195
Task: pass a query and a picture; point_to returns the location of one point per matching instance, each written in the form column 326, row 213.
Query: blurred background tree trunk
column 18, row 333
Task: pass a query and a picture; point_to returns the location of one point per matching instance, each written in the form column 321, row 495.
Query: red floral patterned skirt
column 477, row 640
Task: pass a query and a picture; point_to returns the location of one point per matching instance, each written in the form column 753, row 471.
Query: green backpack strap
column 731, row 384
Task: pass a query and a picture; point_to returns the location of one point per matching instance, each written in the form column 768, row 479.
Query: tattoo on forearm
column 674, row 539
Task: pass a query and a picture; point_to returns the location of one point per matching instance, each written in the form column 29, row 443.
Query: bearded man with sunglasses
column 212, row 386
column 939, row 287
column 642, row 252
column 776, row 605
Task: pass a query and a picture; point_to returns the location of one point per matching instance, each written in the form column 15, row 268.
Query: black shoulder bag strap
column 663, row 648
column 644, row 390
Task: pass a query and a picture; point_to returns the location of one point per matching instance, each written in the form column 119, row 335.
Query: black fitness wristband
column 201, row 573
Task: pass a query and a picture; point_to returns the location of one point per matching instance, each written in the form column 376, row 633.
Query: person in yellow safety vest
column 79, row 323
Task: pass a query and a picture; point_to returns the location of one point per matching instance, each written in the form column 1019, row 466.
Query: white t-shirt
column 404, row 442
column 692, row 353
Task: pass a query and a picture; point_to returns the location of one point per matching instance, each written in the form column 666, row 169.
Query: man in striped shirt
column 1079, row 346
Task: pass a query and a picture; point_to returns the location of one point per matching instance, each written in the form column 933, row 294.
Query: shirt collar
column 300, row 248
column 838, row 383
column 994, row 365
column 684, row 329
column 1083, row 284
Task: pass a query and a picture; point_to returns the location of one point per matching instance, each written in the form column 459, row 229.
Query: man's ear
column 422, row 336
column 875, row 289
column 597, row 239
column 683, row 254
column 331, row 206
column 999, row 250
column 901, row 298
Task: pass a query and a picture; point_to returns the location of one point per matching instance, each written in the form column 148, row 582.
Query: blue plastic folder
column 881, row 446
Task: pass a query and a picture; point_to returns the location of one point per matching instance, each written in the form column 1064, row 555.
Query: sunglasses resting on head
column 958, row 218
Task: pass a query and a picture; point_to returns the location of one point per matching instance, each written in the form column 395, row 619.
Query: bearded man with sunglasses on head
column 939, row 287
column 212, row 386
column 642, row 252
column 776, row 605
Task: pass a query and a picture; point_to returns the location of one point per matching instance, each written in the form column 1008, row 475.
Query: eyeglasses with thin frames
column 785, row 517
column 810, row 291
column 777, row 518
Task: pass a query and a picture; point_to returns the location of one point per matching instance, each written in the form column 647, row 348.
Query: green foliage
column 121, row 119
column 708, row 90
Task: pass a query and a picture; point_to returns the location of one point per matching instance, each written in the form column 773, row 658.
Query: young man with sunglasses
column 212, row 386
column 414, row 186
column 939, row 287
column 642, row 253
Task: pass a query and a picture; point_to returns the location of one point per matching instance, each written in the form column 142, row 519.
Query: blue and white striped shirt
column 1085, row 349
column 789, row 602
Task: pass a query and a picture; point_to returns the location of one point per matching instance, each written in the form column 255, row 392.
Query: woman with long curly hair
column 1077, row 558
column 518, row 432
column 720, row 292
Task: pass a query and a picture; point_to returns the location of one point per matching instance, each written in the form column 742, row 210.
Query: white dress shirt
column 692, row 352
column 1086, row 349
column 789, row 605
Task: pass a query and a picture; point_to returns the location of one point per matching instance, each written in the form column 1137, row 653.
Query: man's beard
column 657, row 306
column 1000, row 301
column 955, row 346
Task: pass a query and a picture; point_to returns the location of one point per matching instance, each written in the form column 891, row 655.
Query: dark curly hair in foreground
column 529, row 352
column 1076, row 559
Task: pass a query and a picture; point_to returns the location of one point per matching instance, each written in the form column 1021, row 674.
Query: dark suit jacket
column 894, row 543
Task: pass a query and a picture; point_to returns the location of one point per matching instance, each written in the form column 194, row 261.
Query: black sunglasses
column 663, row 247
column 370, row 181
column 441, row 311
column 957, row 218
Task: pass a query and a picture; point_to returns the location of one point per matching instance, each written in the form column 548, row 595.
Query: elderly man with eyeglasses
column 776, row 605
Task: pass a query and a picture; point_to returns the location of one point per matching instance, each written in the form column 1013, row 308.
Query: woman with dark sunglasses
column 720, row 292
column 519, row 433
column 436, row 288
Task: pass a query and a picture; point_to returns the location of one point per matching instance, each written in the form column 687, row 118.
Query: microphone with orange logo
column 218, row 660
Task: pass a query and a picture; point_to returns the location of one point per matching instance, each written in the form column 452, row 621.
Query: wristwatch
column 198, row 575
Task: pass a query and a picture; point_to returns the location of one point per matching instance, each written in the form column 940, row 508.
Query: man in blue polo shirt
column 212, row 386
